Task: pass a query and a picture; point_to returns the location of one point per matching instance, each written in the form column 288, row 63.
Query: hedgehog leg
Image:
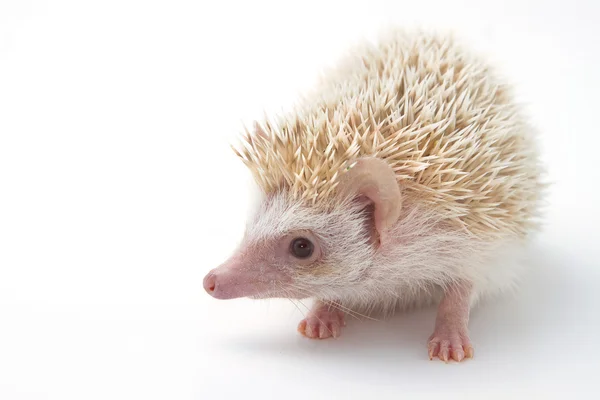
column 450, row 338
column 322, row 322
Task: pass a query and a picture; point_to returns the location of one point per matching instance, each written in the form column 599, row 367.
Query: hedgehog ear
column 371, row 181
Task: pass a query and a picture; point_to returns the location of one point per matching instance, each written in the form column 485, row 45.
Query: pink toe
column 335, row 330
column 302, row 327
column 323, row 331
column 456, row 349
column 434, row 348
column 314, row 331
column 444, row 350
column 458, row 354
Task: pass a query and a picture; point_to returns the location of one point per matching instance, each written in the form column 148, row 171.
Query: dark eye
column 301, row 248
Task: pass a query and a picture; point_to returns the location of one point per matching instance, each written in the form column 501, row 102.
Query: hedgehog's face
column 294, row 250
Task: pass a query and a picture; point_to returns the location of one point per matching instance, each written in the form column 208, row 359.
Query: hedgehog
column 408, row 177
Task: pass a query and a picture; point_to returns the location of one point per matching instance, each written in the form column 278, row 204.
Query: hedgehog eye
column 301, row 247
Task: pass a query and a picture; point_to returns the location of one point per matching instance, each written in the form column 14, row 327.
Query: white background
column 118, row 192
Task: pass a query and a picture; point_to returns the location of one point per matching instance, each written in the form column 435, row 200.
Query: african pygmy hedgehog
column 407, row 178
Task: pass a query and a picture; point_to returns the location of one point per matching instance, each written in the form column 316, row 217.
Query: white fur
column 426, row 255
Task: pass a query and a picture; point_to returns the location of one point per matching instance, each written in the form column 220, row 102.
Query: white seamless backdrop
column 118, row 192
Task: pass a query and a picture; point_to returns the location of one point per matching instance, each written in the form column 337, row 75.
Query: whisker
column 286, row 293
column 338, row 306
column 307, row 308
column 298, row 308
column 350, row 311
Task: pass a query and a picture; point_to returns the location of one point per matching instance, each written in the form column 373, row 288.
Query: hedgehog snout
column 244, row 274
column 230, row 282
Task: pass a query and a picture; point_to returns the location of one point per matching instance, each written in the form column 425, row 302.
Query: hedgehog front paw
column 322, row 322
column 449, row 344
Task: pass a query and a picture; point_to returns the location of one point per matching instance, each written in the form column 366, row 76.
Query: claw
column 469, row 352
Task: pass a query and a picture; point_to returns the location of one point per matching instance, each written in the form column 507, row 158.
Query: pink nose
column 210, row 283
column 232, row 280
